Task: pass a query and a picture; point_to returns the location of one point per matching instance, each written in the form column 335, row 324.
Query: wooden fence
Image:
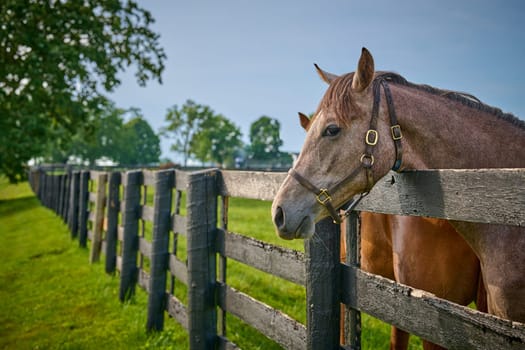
column 151, row 261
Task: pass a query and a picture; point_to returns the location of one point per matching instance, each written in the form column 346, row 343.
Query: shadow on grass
column 18, row 205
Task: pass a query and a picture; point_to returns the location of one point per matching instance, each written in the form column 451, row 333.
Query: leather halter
column 324, row 195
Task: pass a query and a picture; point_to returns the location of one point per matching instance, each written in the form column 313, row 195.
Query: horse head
column 343, row 154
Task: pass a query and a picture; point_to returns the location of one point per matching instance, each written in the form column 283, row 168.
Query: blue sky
column 246, row 59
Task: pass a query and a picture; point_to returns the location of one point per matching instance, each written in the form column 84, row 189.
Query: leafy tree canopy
column 127, row 143
column 183, row 123
column 217, row 141
column 56, row 59
column 138, row 143
column 265, row 139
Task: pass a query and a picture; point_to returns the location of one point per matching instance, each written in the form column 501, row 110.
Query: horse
column 420, row 252
column 421, row 127
column 424, row 253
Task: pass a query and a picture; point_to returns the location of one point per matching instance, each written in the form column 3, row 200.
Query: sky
column 246, row 59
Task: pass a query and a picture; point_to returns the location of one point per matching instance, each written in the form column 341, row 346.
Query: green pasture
column 52, row 298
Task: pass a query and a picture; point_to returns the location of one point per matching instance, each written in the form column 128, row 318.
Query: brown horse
column 420, row 252
column 424, row 253
column 356, row 126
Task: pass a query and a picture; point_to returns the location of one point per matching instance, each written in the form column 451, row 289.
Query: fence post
column 113, row 205
column 59, row 194
column 55, row 193
column 201, row 229
column 100, row 204
column 40, row 190
column 323, row 286
column 159, row 249
column 44, row 189
column 353, row 258
column 67, row 190
column 130, row 216
column 63, row 190
column 83, row 208
column 73, row 203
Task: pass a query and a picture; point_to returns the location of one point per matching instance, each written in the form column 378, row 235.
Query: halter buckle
column 369, row 158
column 375, row 137
column 323, row 196
column 396, row 132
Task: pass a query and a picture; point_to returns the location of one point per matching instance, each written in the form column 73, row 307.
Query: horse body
column 424, row 253
column 440, row 130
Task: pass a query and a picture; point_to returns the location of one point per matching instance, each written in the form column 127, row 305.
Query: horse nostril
column 278, row 218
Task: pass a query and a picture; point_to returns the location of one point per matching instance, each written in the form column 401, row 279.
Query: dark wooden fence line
column 470, row 195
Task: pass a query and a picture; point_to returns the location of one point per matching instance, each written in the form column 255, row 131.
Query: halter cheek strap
column 323, row 195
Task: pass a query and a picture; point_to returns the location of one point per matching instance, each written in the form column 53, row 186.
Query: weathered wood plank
column 159, row 254
column 145, row 247
column 182, row 179
column 83, row 208
column 118, row 262
column 322, row 260
column 178, row 224
column 94, row 174
column 177, row 310
column 149, row 177
column 276, row 325
column 113, row 206
column 352, row 329
column 92, row 197
column 481, row 195
column 421, row 313
column 73, row 204
column 179, row 269
column 100, row 205
column 143, row 280
column 250, row 184
column 275, row 260
column 147, row 213
column 120, row 233
column 202, row 222
column 59, row 194
column 131, row 205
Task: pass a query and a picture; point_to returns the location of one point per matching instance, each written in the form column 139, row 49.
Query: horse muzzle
column 291, row 229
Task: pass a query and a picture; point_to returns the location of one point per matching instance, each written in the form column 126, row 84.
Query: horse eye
column 331, row 130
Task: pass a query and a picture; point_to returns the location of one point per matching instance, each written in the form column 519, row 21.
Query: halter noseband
column 323, row 195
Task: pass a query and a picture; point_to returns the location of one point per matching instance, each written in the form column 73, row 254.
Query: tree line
column 198, row 132
column 195, row 130
column 57, row 61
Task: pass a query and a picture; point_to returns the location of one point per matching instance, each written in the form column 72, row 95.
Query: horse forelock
column 338, row 99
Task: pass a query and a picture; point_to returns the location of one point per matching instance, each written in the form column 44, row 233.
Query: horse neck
column 441, row 133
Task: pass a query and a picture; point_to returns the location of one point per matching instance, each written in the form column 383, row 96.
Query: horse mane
column 338, row 98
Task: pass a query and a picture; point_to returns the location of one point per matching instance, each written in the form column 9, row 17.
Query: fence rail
column 152, row 262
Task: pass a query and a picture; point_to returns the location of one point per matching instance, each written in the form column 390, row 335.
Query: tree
column 183, row 123
column 217, row 140
column 102, row 139
column 110, row 137
column 138, row 143
column 265, row 139
column 56, row 59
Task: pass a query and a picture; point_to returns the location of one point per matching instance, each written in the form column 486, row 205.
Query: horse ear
column 365, row 71
column 325, row 76
column 305, row 121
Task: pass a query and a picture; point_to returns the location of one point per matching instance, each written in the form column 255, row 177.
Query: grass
column 51, row 298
